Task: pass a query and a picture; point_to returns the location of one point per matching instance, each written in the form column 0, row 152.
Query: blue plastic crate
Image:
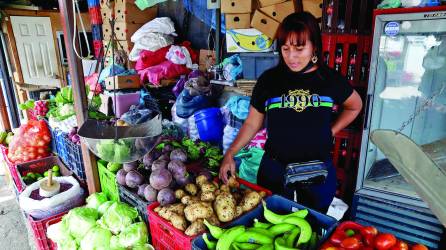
column 96, row 30
column 254, row 64
column 323, row 224
column 131, row 198
column 69, row 152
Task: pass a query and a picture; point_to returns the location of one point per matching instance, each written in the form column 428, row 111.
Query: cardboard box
column 106, row 15
column 128, row 12
column 206, row 59
column 238, row 21
column 265, row 3
column 124, row 31
column 313, row 6
column 247, row 40
column 265, row 24
column 123, row 82
column 236, row 6
column 279, row 11
column 119, row 45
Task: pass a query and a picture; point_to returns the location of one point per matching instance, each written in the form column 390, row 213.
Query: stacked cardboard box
column 252, row 26
column 128, row 19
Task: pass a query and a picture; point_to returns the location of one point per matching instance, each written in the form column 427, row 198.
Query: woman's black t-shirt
column 298, row 110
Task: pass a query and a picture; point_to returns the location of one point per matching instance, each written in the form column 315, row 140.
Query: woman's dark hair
column 305, row 26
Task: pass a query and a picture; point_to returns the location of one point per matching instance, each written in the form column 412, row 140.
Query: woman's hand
column 227, row 165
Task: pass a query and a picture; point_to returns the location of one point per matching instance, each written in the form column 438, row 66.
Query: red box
column 167, row 237
column 39, row 231
column 95, row 15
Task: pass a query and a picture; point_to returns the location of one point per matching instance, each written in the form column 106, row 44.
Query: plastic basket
column 322, row 224
column 96, row 30
column 39, row 166
column 254, row 64
column 131, row 198
column 70, row 153
column 95, row 15
column 167, row 237
column 109, row 186
column 39, row 231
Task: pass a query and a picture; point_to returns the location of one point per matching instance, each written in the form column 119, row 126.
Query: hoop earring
column 314, row 59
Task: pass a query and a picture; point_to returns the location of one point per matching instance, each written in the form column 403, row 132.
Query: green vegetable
column 112, row 151
column 97, row 238
column 104, row 206
column 3, row 136
column 210, row 244
column 259, row 224
column 67, row 245
column 58, row 232
column 135, row 234
column 64, row 96
column 79, row 221
column 246, row 246
column 277, row 218
column 266, row 247
column 280, row 229
column 45, row 173
column 215, row 231
column 229, row 236
column 313, row 241
column 279, row 244
column 96, row 199
column 56, row 174
column 114, row 167
column 55, row 168
column 305, row 228
column 118, row 217
column 289, row 241
column 252, row 236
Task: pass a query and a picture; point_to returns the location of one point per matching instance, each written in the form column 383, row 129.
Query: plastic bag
column 79, row 221
column 97, row 238
column 229, row 135
column 135, row 234
column 182, row 123
column 30, row 143
column 118, row 217
column 250, row 164
column 58, row 203
column 96, row 200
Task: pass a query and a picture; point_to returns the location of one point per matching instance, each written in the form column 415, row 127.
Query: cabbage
column 118, row 216
column 58, row 232
column 143, row 247
column 79, row 220
column 104, row 207
column 110, row 150
column 105, row 149
column 134, row 234
column 67, row 245
column 96, row 199
column 115, row 244
column 97, row 238
column 66, row 109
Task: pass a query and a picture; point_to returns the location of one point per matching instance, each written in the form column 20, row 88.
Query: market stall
column 127, row 154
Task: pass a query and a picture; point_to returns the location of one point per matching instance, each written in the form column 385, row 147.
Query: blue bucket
column 209, row 124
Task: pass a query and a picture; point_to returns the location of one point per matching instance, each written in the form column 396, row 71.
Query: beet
column 159, row 164
column 166, row 196
column 179, row 155
column 160, row 178
column 133, row 179
column 150, row 194
column 120, row 177
column 130, row 166
column 141, row 189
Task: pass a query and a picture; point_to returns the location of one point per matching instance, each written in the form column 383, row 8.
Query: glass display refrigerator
column 406, row 93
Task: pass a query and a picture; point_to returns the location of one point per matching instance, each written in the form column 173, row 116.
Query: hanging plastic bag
column 30, row 143
column 46, row 207
column 229, row 135
column 250, row 163
column 232, row 67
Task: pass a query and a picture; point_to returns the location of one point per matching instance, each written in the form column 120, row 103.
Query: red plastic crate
column 39, row 231
column 167, row 237
column 95, row 15
column 39, row 166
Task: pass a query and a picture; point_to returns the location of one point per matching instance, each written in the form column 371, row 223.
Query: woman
column 296, row 99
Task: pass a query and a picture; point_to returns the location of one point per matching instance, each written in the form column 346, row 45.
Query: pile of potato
column 208, row 200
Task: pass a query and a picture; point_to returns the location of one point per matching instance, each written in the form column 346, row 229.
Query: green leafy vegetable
column 95, row 200
column 118, row 217
column 97, row 238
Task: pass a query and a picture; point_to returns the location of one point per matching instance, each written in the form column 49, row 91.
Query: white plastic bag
column 193, row 130
column 229, row 135
column 162, row 25
column 183, row 123
column 60, row 202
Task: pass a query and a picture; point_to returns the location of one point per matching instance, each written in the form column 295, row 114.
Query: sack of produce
column 30, row 143
column 70, row 195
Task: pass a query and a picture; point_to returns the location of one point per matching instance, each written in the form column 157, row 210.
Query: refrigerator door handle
column 366, row 110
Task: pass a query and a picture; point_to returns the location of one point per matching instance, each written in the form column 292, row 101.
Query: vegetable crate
column 70, row 153
column 167, row 237
column 38, row 166
column 131, row 198
column 109, row 186
column 322, row 224
column 39, row 231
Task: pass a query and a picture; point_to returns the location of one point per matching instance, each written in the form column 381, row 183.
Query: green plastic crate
column 107, row 178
